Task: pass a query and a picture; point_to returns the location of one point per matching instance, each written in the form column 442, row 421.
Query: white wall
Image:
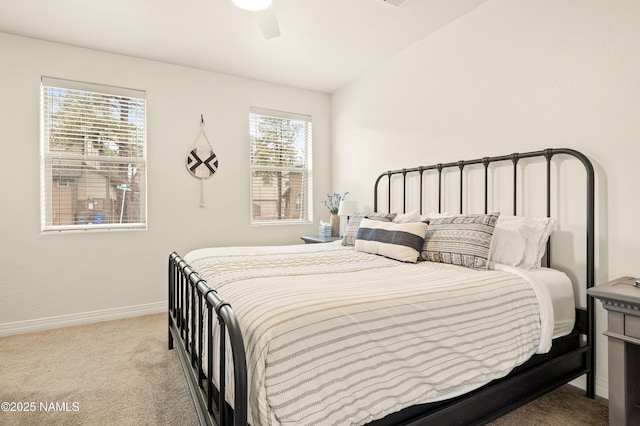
column 58, row 275
column 513, row 75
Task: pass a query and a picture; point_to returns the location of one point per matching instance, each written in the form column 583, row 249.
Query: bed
column 398, row 328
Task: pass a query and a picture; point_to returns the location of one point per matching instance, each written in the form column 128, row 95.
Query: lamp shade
column 252, row 5
column 347, row 208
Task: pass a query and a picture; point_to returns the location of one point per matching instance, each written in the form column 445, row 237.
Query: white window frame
column 306, row 168
column 49, row 157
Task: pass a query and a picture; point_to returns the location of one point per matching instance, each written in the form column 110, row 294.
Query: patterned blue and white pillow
column 399, row 241
column 463, row 240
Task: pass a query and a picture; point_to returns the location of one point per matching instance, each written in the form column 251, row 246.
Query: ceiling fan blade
column 268, row 23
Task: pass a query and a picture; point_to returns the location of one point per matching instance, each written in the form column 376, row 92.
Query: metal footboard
column 187, row 331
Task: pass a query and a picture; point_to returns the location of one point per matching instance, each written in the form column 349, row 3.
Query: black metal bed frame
column 570, row 357
column 186, row 323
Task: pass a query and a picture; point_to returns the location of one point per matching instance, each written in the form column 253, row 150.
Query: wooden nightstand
column 316, row 239
column 621, row 298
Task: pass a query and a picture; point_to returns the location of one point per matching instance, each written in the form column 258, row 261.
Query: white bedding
column 338, row 337
column 556, row 286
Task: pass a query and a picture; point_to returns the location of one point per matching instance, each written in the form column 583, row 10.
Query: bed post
column 170, row 299
column 591, row 324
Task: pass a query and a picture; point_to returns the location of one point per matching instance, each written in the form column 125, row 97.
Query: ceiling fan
column 265, row 15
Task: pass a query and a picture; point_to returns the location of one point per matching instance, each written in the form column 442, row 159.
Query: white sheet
column 561, row 291
column 556, row 286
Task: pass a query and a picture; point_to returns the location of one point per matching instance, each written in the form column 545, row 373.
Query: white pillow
column 507, row 246
column 434, row 215
column 409, row 217
column 520, row 241
column 399, row 241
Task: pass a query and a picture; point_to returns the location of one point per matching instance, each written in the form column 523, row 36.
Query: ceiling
column 324, row 43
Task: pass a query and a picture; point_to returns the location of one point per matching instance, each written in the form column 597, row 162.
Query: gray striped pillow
column 349, row 237
column 399, row 241
column 460, row 240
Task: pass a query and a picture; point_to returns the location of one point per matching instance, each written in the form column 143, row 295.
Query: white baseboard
column 602, row 389
column 81, row 318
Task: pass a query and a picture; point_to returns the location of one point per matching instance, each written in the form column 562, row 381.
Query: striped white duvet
column 336, row 337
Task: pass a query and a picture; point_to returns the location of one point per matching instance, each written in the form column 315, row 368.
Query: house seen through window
column 93, row 156
column 281, row 167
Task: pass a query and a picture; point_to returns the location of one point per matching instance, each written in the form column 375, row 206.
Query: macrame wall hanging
column 202, row 162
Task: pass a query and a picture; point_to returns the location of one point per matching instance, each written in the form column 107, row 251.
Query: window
column 93, row 156
column 280, row 167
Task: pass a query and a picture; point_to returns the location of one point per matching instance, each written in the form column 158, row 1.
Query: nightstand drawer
column 632, row 326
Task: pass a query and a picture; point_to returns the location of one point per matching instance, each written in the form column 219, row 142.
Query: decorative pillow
column 433, row 215
column 399, row 241
column 462, row 240
column 520, row 241
column 349, row 237
column 409, row 217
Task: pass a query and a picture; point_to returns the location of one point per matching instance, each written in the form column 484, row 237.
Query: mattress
column 338, row 337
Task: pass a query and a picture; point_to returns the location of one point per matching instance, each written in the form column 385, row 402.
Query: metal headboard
column 586, row 320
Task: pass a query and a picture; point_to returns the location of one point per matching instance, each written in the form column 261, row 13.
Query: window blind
column 281, row 166
column 93, row 156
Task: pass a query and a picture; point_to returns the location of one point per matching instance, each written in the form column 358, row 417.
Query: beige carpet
column 121, row 373
column 118, row 372
column 566, row 406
